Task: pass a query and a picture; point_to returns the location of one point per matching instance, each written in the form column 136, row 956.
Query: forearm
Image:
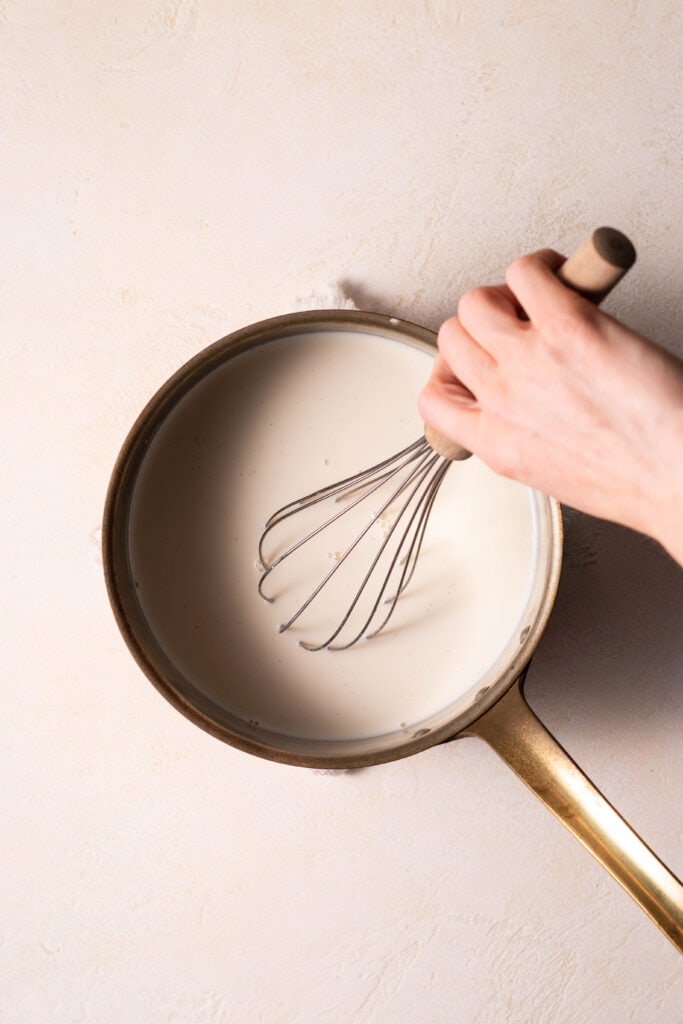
column 668, row 509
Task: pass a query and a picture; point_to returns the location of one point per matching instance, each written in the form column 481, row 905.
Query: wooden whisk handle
column 592, row 271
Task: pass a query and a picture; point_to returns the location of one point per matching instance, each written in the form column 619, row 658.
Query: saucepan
column 179, row 544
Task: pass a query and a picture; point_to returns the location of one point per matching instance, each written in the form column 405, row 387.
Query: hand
column 570, row 401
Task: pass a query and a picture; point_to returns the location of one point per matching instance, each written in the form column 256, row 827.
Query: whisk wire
column 420, row 471
column 396, row 559
column 429, row 498
column 335, row 568
column 425, row 505
column 417, row 476
column 412, row 453
column 362, row 479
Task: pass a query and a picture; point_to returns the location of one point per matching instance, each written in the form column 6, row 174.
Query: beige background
column 172, row 171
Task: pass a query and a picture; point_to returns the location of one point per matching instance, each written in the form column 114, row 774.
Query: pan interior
column 267, row 425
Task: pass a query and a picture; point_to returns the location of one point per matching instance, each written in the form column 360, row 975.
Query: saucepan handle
column 512, row 729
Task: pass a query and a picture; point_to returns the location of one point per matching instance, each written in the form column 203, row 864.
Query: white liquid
column 268, row 426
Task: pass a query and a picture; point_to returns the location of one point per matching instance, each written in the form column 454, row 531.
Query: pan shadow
column 610, row 660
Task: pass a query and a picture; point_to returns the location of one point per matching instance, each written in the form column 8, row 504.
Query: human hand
column 570, row 401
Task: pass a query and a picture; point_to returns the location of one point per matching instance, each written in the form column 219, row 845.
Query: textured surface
column 173, row 171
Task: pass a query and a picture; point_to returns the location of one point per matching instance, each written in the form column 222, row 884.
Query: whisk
column 406, row 484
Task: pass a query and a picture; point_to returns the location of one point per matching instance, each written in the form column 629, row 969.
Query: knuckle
column 569, row 327
column 448, row 334
column 448, row 327
column 495, row 395
column 471, row 302
column 519, row 268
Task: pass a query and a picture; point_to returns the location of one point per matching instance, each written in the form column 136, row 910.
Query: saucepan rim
column 152, row 659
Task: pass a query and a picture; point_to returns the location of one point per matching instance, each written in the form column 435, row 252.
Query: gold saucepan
column 180, row 427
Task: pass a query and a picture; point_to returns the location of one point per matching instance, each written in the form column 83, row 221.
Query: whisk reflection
column 413, row 477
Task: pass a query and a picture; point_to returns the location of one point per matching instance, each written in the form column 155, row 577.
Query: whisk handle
column 598, row 264
column 450, row 450
column 592, row 271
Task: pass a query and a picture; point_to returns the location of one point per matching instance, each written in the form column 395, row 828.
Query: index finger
column 533, row 281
